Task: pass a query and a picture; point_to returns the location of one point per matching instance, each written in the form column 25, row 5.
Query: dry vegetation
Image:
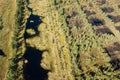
column 7, row 20
column 60, row 39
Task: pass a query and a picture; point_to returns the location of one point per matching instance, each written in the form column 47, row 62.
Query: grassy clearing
column 7, row 12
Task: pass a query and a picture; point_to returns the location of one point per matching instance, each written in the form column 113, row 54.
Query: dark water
column 32, row 23
column 32, row 69
column 2, row 53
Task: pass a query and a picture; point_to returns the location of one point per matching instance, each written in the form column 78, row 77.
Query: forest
column 59, row 39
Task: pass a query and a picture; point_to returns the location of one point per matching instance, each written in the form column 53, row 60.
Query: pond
column 32, row 69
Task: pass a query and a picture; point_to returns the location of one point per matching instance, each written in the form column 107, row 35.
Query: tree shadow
column 1, row 27
column 96, row 21
column 30, row 9
column 113, row 52
column 115, row 64
column 115, row 19
column 88, row 13
column 103, row 31
column 32, row 69
column 32, row 23
column 107, row 9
